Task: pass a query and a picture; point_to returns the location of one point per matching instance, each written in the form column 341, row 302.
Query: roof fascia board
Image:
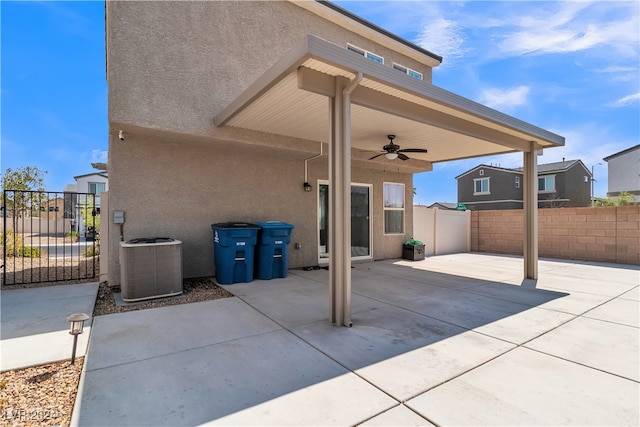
column 620, row 153
column 358, row 25
column 515, row 171
column 342, row 58
column 102, row 174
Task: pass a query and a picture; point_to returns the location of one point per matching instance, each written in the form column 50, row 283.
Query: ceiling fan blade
column 377, row 155
column 402, row 156
column 413, row 150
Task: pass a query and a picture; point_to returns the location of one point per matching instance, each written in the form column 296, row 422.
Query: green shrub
column 30, row 252
column 14, row 244
column 91, row 251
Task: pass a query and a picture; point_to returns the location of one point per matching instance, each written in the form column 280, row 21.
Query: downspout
column 353, row 84
column 306, row 180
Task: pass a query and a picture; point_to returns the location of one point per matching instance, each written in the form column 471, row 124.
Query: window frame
column 486, row 179
column 552, row 178
column 386, row 208
column 408, row 71
column 367, row 54
column 96, row 184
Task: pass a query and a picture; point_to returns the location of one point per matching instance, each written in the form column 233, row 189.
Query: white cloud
column 443, row 37
column 571, row 27
column 505, row 98
column 624, row 101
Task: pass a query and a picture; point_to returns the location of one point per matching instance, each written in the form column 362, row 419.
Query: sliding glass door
column 360, row 221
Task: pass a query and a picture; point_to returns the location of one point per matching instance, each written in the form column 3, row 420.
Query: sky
column 569, row 67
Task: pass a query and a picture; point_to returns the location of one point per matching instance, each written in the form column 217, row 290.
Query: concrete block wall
column 605, row 234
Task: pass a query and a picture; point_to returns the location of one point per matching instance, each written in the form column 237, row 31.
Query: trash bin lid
column 150, row 241
column 275, row 224
column 143, row 240
column 234, row 225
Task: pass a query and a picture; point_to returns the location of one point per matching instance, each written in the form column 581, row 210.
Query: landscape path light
column 77, row 325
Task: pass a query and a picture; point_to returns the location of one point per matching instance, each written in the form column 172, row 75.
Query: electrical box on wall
column 118, row 217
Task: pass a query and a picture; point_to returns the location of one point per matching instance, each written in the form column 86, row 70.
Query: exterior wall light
column 77, row 325
column 307, row 187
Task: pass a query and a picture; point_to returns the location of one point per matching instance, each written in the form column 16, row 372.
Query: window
column 372, row 56
column 393, row 208
column 481, row 186
column 408, row 71
column 96, row 188
column 481, row 172
column 517, row 182
column 547, row 184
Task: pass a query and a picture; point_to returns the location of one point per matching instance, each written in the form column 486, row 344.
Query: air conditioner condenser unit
column 150, row 268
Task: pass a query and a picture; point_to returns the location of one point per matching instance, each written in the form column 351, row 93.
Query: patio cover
column 320, row 91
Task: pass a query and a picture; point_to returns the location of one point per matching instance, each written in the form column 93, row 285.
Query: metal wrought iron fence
column 49, row 237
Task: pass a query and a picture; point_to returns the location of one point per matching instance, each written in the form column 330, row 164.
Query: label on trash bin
column 278, row 242
column 240, row 243
column 216, row 238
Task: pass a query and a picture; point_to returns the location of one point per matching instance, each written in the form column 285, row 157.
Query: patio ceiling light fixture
column 77, row 325
column 391, row 156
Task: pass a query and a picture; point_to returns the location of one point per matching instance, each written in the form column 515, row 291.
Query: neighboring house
column 623, row 170
column 447, row 206
column 560, row 184
column 92, row 183
column 250, row 111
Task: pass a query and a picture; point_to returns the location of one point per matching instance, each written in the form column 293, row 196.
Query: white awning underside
column 386, row 101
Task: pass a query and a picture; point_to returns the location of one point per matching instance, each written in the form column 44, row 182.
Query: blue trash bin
column 233, row 251
column 272, row 255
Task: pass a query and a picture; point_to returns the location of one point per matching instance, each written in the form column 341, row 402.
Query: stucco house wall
column 623, row 171
column 171, row 67
column 503, row 191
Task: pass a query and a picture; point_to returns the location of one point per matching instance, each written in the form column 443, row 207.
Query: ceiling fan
column 392, row 151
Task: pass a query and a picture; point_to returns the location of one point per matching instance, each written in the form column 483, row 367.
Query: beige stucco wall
column 172, row 66
column 170, row 191
column 175, row 65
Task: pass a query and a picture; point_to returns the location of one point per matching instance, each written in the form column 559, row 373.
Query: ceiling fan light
column 391, row 156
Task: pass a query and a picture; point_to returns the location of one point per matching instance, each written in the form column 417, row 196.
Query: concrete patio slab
column 602, row 345
column 146, row 334
column 525, row 388
column 633, row 294
column 304, row 305
column 429, row 345
column 623, row 311
column 566, row 302
column 267, row 379
column 498, row 318
column 398, row 416
column 401, row 352
column 416, row 272
column 607, row 273
column 34, row 324
column 294, row 281
column 568, row 284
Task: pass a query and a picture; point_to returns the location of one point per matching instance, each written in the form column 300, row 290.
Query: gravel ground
column 44, row 395
column 39, row 396
column 195, row 290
